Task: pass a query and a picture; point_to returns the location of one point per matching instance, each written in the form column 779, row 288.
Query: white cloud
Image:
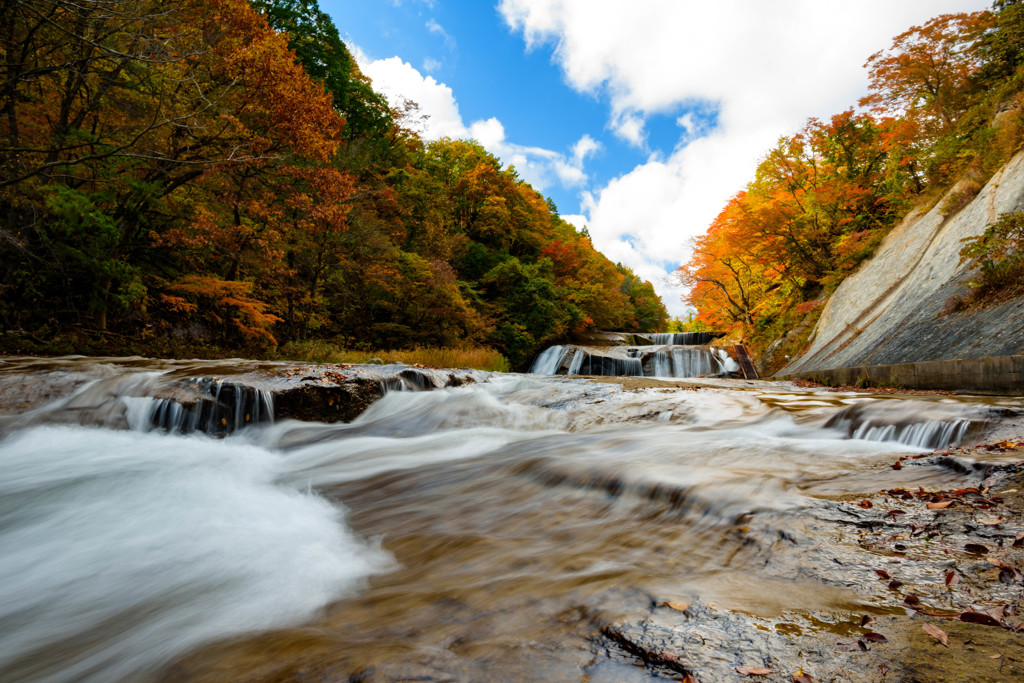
column 765, row 66
column 399, row 81
column 430, row 65
column 438, row 30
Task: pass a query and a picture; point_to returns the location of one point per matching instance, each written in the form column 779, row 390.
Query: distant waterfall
column 635, row 361
column 683, row 338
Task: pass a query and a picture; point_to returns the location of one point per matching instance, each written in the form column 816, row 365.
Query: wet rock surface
column 922, row 564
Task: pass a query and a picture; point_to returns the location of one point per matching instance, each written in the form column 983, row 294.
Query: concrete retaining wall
column 992, row 375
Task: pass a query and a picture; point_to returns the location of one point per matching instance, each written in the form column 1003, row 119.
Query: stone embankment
column 886, row 323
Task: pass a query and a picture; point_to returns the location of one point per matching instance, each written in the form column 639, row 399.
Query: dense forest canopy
column 221, row 171
column 943, row 111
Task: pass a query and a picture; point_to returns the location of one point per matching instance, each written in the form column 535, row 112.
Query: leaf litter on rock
column 936, row 633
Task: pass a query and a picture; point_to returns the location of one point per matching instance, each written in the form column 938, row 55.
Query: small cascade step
column 746, row 364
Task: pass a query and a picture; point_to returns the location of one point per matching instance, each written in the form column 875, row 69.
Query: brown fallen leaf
column 1019, row 541
column 883, row 574
column 754, row 670
column 895, row 513
column 940, row 505
column 690, row 678
column 801, row 677
column 936, row 633
column 952, row 578
column 883, row 669
column 866, row 620
column 990, row 521
column 873, row 637
column 847, row 645
column 681, row 606
column 897, row 465
column 671, row 657
column 894, row 584
column 976, row 548
column 979, row 618
column 912, row 599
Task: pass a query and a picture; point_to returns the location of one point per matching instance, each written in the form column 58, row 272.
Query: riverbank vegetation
column 219, row 177
column 942, row 114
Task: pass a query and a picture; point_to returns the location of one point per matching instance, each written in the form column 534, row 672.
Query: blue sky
column 638, row 119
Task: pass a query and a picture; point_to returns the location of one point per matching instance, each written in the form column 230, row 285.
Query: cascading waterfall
column 635, row 361
column 683, row 338
column 221, row 408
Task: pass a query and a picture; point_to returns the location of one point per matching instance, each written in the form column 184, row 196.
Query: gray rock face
column 889, row 310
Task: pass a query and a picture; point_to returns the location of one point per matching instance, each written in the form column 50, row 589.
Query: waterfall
column 635, row 361
column 221, row 408
column 682, row 338
column 549, row 360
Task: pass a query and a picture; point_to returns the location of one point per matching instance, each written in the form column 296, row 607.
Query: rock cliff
column 890, row 311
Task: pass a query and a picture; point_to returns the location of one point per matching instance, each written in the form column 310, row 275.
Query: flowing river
column 482, row 532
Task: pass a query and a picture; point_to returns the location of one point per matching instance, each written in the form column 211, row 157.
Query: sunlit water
column 483, row 532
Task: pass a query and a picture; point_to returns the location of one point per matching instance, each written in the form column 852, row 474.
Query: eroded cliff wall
column 890, row 310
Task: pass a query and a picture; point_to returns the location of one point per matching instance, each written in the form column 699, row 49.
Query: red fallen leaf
column 897, row 465
column 912, row 599
column 800, row 677
column 754, row 670
column 689, row 678
column 976, row 548
column 895, row 512
column 883, row 574
column 873, row 637
column 894, row 584
column 866, row 504
column 952, row 578
column 939, row 506
column 936, row 633
column 979, row 618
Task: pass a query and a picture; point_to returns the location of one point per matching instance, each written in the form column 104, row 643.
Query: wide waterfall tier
column 684, row 338
column 634, row 361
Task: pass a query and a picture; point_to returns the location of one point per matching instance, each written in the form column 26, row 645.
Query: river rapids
column 482, row 532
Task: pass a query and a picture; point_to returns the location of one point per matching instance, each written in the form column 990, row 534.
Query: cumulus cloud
column 399, row 81
column 761, row 67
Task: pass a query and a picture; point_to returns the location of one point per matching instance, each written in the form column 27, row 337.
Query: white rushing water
column 122, row 550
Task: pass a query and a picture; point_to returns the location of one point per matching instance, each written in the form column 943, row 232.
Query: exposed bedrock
column 890, row 311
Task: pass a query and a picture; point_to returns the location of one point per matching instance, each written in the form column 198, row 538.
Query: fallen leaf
column 754, row 670
column 681, row 606
column 894, row 584
column 894, row 513
column 801, row 677
column 847, row 645
column 669, row 657
column 990, row 521
column 979, row 618
column 952, row 578
column 873, row 637
column 689, row 678
column 912, row 599
column 940, row 505
column 883, row 574
column 936, row 633
column 897, row 465
column 994, row 656
column 976, row 548
column 866, row 504
column 866, row 620
column 1019, row 541
column 883, row 669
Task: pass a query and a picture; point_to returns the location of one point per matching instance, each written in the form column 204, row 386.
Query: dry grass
column 325, row 352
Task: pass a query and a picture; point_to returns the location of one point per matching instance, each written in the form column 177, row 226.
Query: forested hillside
column 219, row 173
column 943, row 110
